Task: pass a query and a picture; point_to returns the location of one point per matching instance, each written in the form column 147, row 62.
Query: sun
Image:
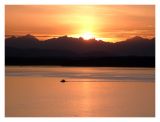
column 87, row 36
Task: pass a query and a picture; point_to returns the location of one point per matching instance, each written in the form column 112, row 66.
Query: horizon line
column 57, row 36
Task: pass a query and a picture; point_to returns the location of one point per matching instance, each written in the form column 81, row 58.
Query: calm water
column 36, row 91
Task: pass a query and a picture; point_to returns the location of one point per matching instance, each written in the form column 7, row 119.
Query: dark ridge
column 84, row 61
column 69, row 51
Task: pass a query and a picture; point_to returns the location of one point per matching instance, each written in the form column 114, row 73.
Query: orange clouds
column 110, row 21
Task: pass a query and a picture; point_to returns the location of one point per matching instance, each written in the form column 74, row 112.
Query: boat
column 63, row 81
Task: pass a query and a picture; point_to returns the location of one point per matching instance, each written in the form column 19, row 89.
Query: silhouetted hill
column 27, row 41
column 71, row 50
column 136, row 46
column 67, row 46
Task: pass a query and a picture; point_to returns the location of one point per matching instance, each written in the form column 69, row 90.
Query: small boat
column 63, row 81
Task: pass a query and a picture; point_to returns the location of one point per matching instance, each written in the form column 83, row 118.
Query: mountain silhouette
column 30, row 46
column 26, row 41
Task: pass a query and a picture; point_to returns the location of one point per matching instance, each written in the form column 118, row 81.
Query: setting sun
column 87, row 36
column 81, row 21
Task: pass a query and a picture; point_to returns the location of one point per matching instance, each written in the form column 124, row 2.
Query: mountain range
column 30, row 46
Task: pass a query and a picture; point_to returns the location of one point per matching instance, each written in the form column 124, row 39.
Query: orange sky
column 106, row 22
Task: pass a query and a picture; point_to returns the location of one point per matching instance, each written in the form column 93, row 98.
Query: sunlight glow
column 84, row 21
column 87, row 36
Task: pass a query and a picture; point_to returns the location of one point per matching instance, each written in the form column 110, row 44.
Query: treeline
column 126, row 61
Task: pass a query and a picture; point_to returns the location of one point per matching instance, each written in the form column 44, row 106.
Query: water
column 84, row 73
column 36, row 91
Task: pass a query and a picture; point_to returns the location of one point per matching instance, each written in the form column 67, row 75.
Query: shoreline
column 130, row 61
column 76, row 66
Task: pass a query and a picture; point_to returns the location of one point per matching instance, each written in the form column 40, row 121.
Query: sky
column 110, row 23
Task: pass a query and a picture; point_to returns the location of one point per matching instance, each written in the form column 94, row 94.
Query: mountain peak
column 135, row 38
column 29, row 36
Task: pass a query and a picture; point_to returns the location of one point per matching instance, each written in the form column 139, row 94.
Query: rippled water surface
column 36, row 91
